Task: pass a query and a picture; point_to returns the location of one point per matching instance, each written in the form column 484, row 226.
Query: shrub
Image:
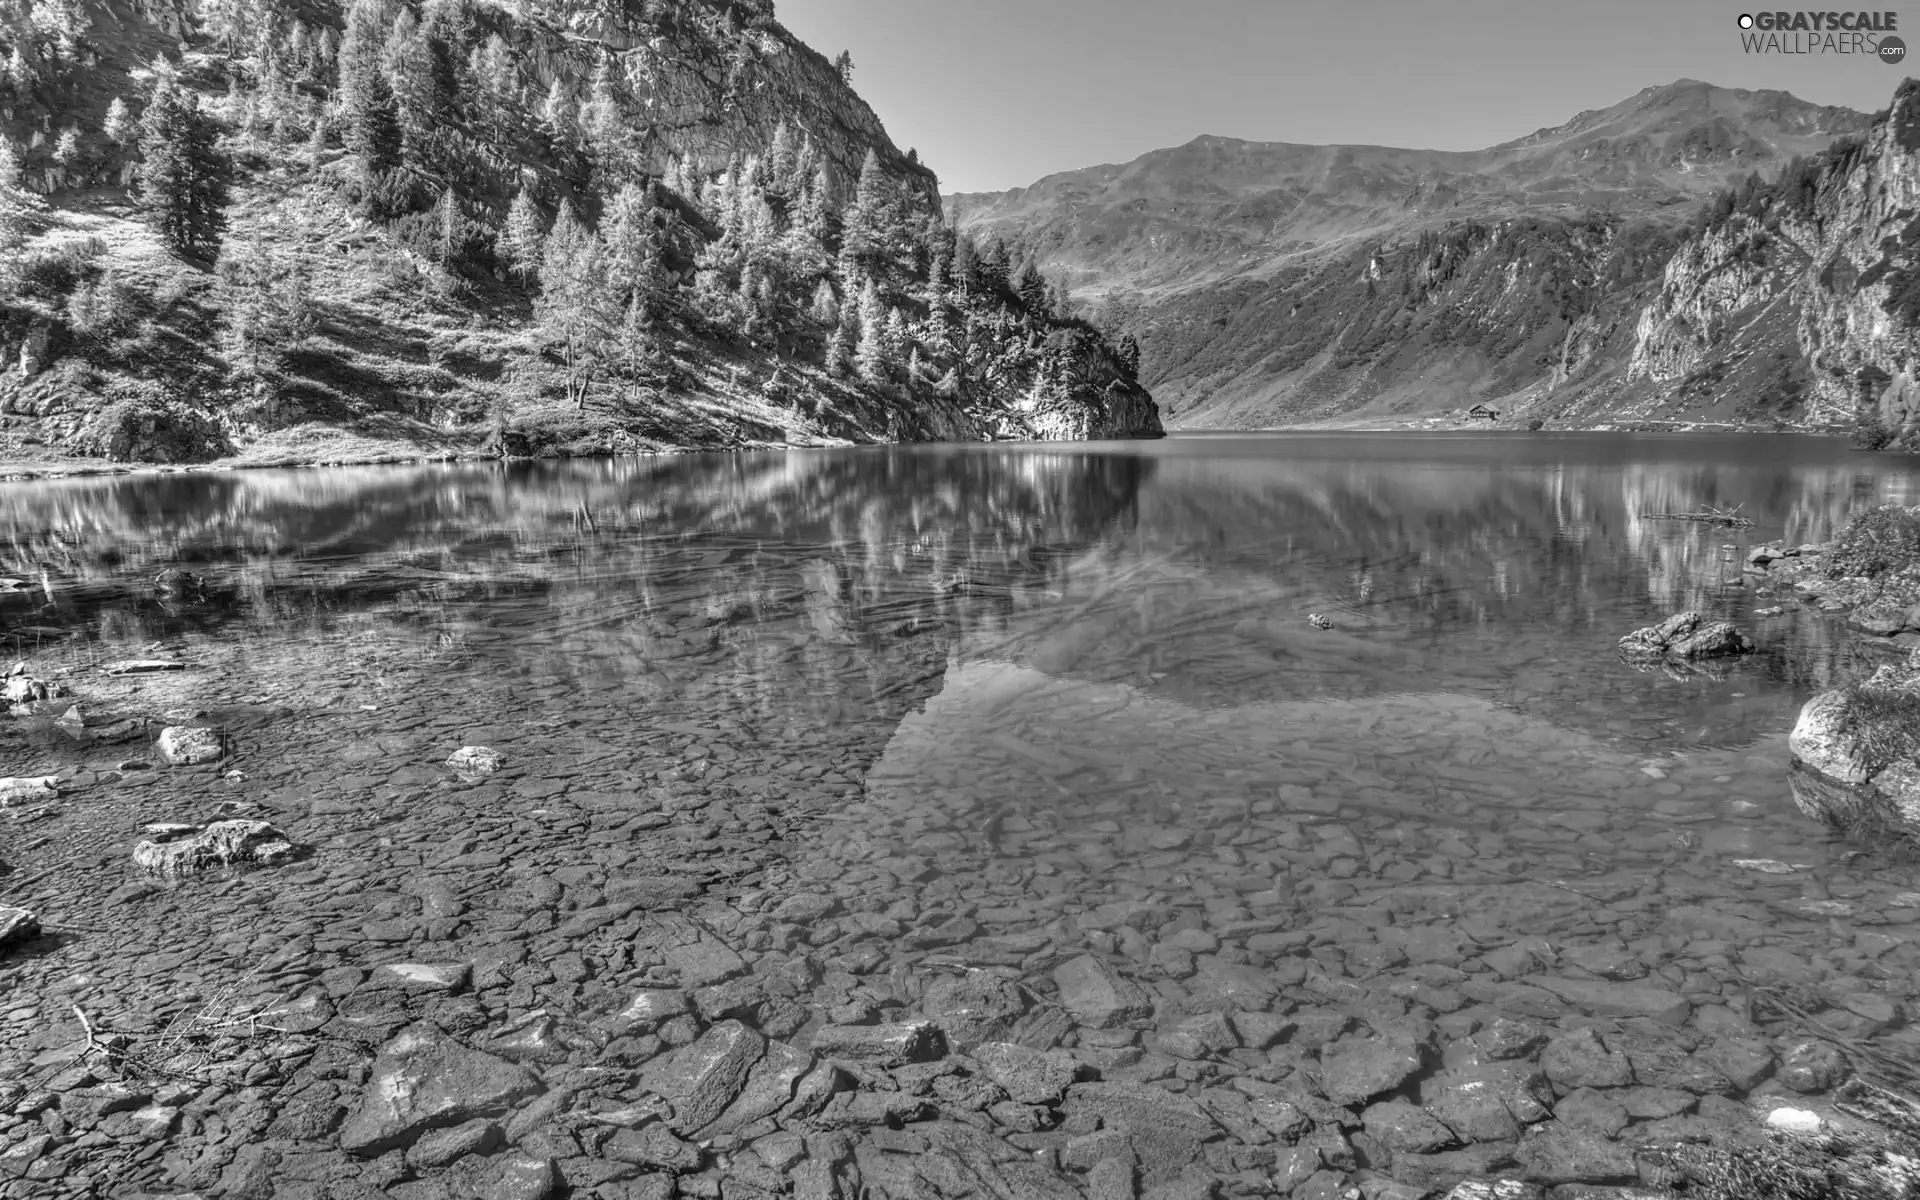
column 52, row 272
column 1535, row 425
column 1870, row 430
column 1876, row 542
column 145, row 424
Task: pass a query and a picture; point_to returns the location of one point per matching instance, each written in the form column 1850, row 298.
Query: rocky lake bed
column 600, row 852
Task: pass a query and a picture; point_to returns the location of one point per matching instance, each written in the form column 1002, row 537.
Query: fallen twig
column 1729, row 517
column 93, row 1042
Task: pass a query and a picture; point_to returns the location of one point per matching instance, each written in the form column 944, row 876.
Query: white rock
column 1766, row 866
column 475, row 760
column 27, row 789
column 219, row 844
column 1816, row 739
column 1794, row 1120
column 187, row 745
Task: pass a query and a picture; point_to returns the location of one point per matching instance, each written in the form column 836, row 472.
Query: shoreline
column 30, row 468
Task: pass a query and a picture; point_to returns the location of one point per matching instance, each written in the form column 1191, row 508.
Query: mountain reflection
column 793, row 573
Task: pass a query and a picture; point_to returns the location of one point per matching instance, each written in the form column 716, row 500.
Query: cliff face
column 1827, row 269
column 708, row 91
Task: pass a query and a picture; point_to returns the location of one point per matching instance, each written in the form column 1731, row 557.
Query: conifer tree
column 450, row 227
column 894, row 339
column 572, row 306
column 407, row 63
column 866, row 243
column 183, row 176
column 18, row 210
column 632, row 251
column 780, row 162
column 966, row 264
column 840, row 347
column 1031, row 287
column 825, row 309
column 558, row 113
column 871, row 353
column 118, row 125
column 523, row 239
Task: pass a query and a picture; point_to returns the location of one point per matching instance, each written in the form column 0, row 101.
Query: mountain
column 1272, row 283
column 289, row 230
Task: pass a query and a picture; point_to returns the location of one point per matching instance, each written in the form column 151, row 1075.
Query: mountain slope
column 550, row 227
column 1272, row 283
column 1807, row 290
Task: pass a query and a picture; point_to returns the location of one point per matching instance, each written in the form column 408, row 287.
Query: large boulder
column 1686, row 636
column 172, row 850
column 1855, row 754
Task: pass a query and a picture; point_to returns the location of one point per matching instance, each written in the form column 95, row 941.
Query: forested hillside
column 286, row 229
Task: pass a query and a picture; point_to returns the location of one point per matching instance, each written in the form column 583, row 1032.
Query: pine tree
column 894, row 339
column 825, row 309
column 603, row 123
column 966, row 264
column 558, row 113
column 1128, row 354
column 780, row 161
column 407, row 63
column 632, row 252
column 19, row 209
column 183, row 176
column 867, row 226
column 871, row 353
column 840, row 347
column 1031, row 288
column 573, row 302
column 450, row 228
column 523, row 239
column 118, row 126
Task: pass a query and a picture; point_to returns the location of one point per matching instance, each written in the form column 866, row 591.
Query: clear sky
column 997, row 93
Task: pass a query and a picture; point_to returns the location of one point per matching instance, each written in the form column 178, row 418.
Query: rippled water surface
column 1009, row 704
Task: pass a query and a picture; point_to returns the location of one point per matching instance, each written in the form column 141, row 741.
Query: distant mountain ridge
column 1211, row 252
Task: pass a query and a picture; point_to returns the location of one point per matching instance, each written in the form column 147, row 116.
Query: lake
column 1038, row 743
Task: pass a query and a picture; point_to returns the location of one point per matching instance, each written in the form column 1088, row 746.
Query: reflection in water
column 1075, row 677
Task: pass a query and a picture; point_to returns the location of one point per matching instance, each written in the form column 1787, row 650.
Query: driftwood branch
column 1728, row 517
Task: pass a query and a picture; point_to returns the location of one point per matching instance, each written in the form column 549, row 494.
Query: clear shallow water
column 1003, row 705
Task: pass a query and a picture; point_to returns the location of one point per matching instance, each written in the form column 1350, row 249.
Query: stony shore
column 702, row 958
column 725, row 895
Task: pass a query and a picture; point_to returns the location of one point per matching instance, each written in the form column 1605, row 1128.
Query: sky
column 996, row 94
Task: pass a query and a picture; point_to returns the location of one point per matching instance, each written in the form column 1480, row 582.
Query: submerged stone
column 423, row 1080
column 190, row 745
column 1098, row 996
column 223, row 843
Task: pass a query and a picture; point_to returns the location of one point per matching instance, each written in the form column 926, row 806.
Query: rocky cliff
column 1817, row 277
column 1270, row 283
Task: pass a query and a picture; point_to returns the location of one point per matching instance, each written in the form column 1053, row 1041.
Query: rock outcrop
column 1826, row 259
column 1856, row 754
column 1686, row 636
